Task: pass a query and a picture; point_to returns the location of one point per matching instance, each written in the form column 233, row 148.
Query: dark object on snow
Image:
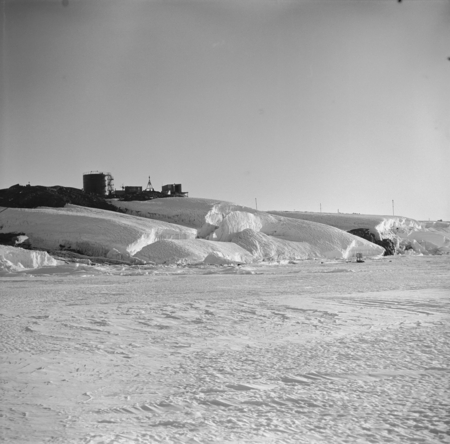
column 15, row 240
column 19, row 196
column 387, row 244
column 364, row 233
column 359, row 257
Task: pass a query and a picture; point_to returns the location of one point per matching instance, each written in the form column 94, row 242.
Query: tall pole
column 393, row 207
column 256, row 203
column 320, row 207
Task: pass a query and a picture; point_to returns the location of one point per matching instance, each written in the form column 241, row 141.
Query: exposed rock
column 365, row 233
column 15, row 240
column 388, row 244
column 19, row 196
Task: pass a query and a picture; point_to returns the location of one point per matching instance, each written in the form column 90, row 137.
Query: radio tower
column 149, row 185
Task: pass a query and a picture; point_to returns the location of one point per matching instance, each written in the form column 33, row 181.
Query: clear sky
column 344, row 104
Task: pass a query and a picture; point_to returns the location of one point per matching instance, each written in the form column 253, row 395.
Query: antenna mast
column 149, row 185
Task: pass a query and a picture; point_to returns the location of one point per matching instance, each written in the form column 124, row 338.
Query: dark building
column 96, row 182
column 173, row 188
column 133, row 190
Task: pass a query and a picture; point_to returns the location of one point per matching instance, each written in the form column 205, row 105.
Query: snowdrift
column 382, row 227
column 223, row 221
column 267, row 248
column 194, row 251
column 408, row 234
column 202, row 214
column 17, row 259
column 324, row 241
column 89, row 231
column 433, row 238
column 206, row 231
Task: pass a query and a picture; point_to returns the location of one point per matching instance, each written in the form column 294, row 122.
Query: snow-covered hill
column 202, row 214
column 409, row 234
column 224, row 221
column 89, row 231
column 433, row 238
column 383, row 227
column 190, row 231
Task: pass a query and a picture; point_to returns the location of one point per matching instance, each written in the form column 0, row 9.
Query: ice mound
column 382, row 227
column 193, row 251
column 434, row 238
column 202, row 214
column 189, row 212
column 16, row 259
column 221, row 221
column 89, row 231
column 317, row 240
column 267, row 248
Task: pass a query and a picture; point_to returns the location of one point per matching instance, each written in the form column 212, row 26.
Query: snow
column 14, row 259
column 89, row 231
column 409, row 234
column 222, row 221
column 324, row 241
column 194, row 251
column 383, row 227
column 264, row 247
column 221, row 326
column 202, row 214
column 433, row 239
column 164, row 231
column 312, row 352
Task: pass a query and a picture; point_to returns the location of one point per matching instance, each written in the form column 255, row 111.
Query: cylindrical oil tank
column 94, row 183
column 178, row 188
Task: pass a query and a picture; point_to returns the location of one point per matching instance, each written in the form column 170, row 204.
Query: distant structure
column 97, row 182
column 173, row 188
column 149, row 185
column 102, row 184
column 133, row 190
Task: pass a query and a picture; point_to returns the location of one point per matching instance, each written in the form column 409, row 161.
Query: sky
column 287, row 105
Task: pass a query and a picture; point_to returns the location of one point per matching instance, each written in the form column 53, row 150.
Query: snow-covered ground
column 219, row 323
column 312, row 352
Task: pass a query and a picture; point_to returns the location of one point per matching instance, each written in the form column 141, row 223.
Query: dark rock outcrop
column 388, row 245
column 15, row 240
column 19, row 196
column 365, row 233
